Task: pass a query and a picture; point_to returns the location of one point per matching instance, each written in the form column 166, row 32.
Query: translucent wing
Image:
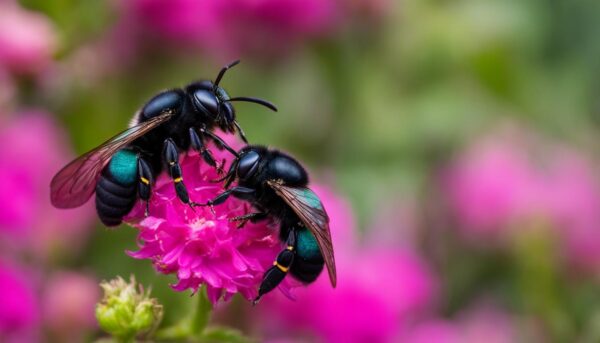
column 73, row 185
column 312, row 213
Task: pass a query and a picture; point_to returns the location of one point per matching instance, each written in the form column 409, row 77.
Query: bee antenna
column 256, row 101
column 241, row 132
column 223, row 70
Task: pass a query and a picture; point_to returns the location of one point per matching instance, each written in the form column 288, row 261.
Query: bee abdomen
column 308, row 262
column 116, row 189
column 113, row 200
column 305, row 270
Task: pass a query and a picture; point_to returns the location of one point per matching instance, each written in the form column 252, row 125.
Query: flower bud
column 127, row 311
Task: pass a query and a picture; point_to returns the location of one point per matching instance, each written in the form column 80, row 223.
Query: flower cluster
column 19, row 316
column 127, row 311
column 35, row 298
column 482, row 323
column 229, row 28
column 506, row 182
column 68, row 301
column 27, row 39
column 37, row 150
column 202, row 247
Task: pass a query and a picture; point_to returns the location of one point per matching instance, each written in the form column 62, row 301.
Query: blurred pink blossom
column 229, row 29
column 35, row 149
column 379, row 291
column 68, row 304
column 19, row 309
column 436, row 330
column 499, row 184
column 489, row 185
column 27, row 39
column 479, row 324
column 571, row 193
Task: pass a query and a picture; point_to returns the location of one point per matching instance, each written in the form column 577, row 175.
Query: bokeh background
column 456, row 143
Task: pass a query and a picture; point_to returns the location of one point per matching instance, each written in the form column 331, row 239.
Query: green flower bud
column 127, row 311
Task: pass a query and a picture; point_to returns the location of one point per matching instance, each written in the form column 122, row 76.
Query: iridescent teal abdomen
column 123, row 167
column 307, row 246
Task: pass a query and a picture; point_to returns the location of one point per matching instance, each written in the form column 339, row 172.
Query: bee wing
column 73, row 185
column 312, row 213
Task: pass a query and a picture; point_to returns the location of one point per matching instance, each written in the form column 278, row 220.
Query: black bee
column 123, row 168
column 276, row 185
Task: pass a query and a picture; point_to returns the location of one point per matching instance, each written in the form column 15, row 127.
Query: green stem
column 201, row 314
column 194, row 325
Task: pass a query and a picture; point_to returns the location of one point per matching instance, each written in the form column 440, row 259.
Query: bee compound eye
column 206, row 101
column 248, row 164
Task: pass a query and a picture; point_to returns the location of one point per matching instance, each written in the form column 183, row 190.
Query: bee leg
column 197, row 143
column 239, row 192
column 252, row 217
column 218, row 141
column 230, row 176
column 145, row 181
column 274, row 275
column 171, row 156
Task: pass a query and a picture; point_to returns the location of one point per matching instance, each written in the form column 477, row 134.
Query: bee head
column 247, row 164
column 244, row 166
column 211, row 100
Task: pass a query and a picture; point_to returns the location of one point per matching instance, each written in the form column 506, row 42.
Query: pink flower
column 230, row 28
column 501, row 183
column 19, row 312
column 35, row 150
column 436, row 330
column 489, row 185
column 571, row 193
column 27, row 39
column 379, row 291
column 201, row 247
column 479, row 324
column 68, row 304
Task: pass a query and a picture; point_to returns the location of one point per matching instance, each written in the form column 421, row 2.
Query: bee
column 123, row 168
column 277, row 186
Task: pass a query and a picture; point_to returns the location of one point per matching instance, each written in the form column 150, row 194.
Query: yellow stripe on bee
column 290, row 248
column 144, row 180
column 178, row 180
column 280, row 267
